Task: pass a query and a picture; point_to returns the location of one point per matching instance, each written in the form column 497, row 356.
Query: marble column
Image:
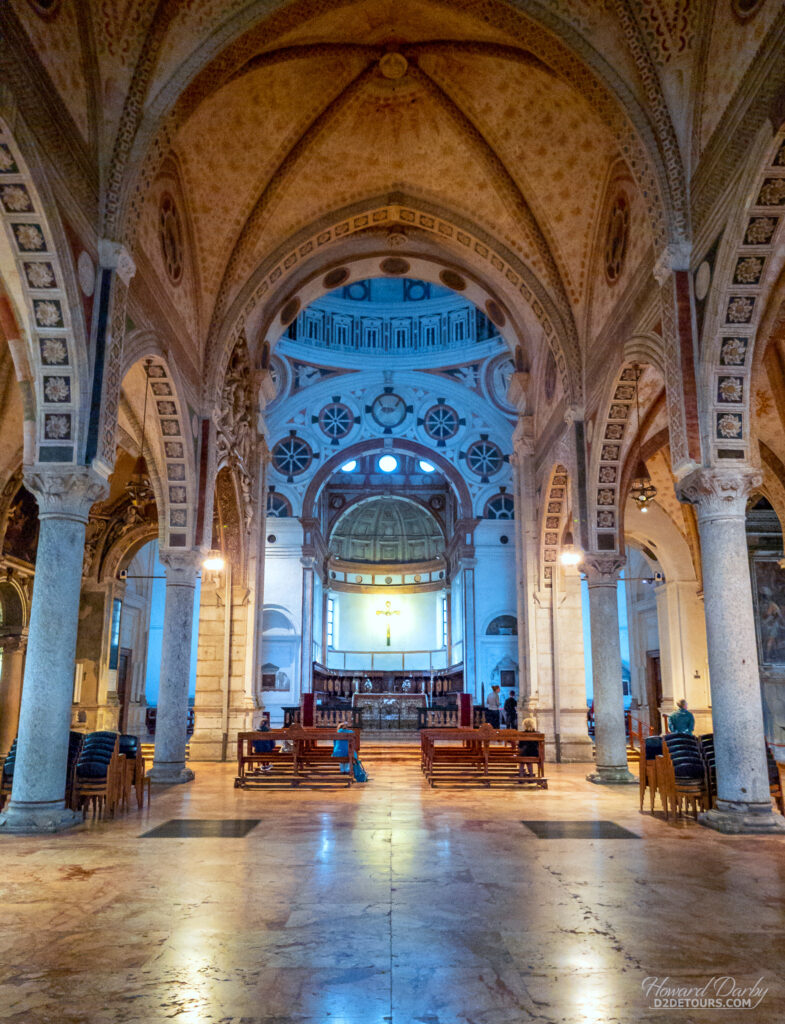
column 610, row 737
column 472, row 682
column 64, row 497
column 526, row 550
column 743, row 799
column 13, row 646
column 171, row 723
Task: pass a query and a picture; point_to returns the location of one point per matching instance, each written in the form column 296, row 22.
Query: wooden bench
column 485, row 755
column 308, row 757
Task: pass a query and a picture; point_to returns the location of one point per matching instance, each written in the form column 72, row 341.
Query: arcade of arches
column 453, row 331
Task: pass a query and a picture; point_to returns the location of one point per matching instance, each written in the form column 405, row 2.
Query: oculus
column 170, row 237
column 616, row 237
column 389, row 410
column 336, row 420
column 484, row 458
column 441, row 422
column 292, row 456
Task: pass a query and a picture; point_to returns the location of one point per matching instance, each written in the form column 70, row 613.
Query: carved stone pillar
column 526, row 568
column 64, row 497
column 13, row 646
column 610, row 737
column 743, row 799
column 171, row 723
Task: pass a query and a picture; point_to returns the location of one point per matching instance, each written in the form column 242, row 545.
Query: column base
column 32, row 819
column 612, row 775
column 170, row 774
column 741, row 819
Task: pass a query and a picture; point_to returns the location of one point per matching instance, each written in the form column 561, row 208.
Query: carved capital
column 65, row 492
column 181, row 566
column 602, row 570
column 573, row 413
column 115, row 256
column 675, row 256
column 10, row 643
column 719, row 492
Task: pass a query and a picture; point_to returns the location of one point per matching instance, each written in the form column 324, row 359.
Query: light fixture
column 570, row 555
column 350, row 466
column 138, row 486
column 388, row 463
column 214, row 562
column 642, row 490
column 426, row 467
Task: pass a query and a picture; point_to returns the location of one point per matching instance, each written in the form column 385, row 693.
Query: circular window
column 277, row 506
column 441, row 422
column 350, row 466
column 336, row 420
column 292, row 456
column 389, row 410
column 388, row 463
column 501, row 506
column 170, row 235
column 484, row 458
column 426, row 467
column 616, row 238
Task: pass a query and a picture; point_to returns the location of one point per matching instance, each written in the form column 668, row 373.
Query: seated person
column 263, row 747
column 682, row 720
column 528, row 748
column 341, row 747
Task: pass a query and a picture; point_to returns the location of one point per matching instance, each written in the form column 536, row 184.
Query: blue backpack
column 360, row 774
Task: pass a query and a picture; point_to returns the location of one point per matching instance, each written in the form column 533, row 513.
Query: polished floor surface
column 388, row 903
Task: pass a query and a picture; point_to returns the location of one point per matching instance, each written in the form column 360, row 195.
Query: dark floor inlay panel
column 579, row 830
column 202, row 828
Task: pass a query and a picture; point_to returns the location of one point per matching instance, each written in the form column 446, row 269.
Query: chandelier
column 642, row 490
column 138, row 487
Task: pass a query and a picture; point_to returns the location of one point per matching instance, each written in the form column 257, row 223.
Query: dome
column 388, row 530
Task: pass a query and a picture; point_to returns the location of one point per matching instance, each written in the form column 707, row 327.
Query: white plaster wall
column 283, row 585
column 456, row 617
column 417, row 627
column 494, row 594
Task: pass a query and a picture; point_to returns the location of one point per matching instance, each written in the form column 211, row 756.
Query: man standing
column 681, row 720
column 492, row 705
column 511, row 711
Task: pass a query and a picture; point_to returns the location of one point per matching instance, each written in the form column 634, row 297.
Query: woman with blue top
column 341, row 749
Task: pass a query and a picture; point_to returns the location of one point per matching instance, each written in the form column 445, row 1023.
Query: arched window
column 503, row 625
column 500, row 506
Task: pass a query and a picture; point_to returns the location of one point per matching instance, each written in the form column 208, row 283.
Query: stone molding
column 602, row 570
column 65, row 492
column 115, row 256
column 181, row 566
column 10, row 643
column 719, row 493
column 675, row 256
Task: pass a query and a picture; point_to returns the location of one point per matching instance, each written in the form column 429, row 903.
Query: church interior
column 392, row 488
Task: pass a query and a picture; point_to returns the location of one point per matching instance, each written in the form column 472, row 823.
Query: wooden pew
column 309, row 757
column 485, row 755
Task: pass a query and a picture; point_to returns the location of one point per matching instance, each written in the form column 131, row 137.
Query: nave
column 384, row 904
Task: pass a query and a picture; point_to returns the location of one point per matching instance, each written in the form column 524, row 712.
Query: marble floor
column 387, row 904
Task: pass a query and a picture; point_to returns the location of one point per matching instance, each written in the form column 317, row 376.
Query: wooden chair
column 681, row 792
column 651, row 749
column 100, row 781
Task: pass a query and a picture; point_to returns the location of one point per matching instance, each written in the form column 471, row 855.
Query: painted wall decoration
column 769, row 592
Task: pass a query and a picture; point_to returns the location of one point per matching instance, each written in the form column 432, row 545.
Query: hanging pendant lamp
column 642, row 490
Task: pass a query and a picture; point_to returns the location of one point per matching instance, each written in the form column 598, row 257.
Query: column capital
column 65, row 492
column 602, row 570
column 12, row 642
column 675, row 256
column 115, row 256
column 719, row 492
column 181, row 566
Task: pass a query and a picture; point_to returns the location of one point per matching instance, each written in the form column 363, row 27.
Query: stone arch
column 172, row 445
column 48, row 347
column 421, row 235
column 227, row 517
column 610, row 446
column 751, row 257
column 331, row 465
column 553, row 521
column 124, row 549
column 15, row 605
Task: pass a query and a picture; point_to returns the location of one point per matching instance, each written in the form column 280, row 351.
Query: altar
column 389, row 710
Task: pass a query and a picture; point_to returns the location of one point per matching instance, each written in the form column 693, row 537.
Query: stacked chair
column 7, row 778
column 99, row 774
column 647, row 768
column 74, row 747
column 133, row 771
column 681, row 776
